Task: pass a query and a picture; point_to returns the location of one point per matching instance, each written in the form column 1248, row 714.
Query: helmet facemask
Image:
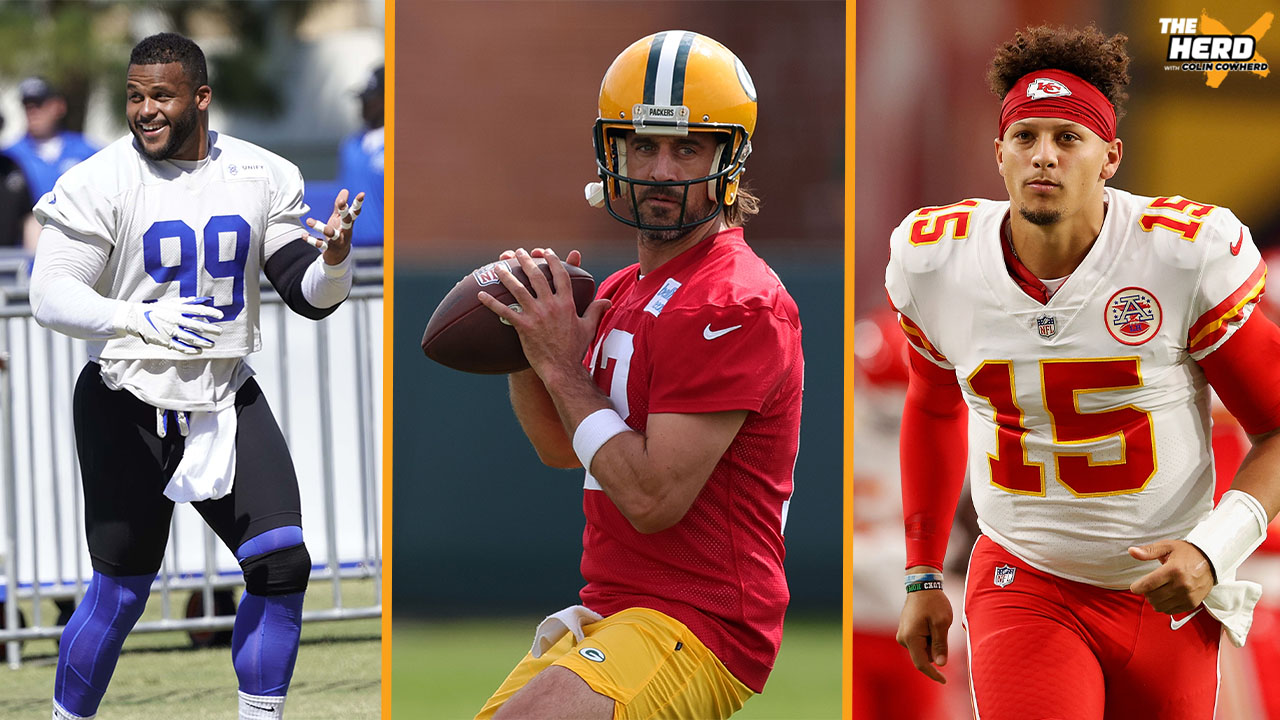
column 623, row 199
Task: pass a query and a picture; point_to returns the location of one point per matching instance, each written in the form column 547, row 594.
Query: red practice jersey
column 711, row 330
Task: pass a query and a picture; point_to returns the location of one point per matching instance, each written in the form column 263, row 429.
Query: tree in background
column 79, row 45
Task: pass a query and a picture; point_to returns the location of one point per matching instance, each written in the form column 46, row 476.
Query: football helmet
column 673, row 83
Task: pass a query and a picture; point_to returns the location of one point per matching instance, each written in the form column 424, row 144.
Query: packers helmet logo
column 592, row 654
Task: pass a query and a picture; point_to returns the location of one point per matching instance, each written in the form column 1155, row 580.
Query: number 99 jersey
column 1088, row 416
column 175, row 229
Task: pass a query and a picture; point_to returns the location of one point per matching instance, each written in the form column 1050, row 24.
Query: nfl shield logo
column 1047, row 325
column 487, row 275
column 1004, row 575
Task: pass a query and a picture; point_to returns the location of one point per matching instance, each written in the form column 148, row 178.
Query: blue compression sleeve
column 93, row 636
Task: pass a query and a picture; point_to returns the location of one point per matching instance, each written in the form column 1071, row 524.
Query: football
column 464, row 335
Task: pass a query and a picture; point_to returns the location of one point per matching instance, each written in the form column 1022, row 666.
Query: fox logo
column 1042, row 88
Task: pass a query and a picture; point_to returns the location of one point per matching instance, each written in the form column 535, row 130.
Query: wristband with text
column 923, row 581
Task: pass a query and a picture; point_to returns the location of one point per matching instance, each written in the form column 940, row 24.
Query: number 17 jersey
column 1088, row 422
column 711, row 330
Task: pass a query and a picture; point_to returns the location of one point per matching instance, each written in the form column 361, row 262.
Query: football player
column 881, row 361
column 678, row 392
column 151, row 250
column 1076, row 328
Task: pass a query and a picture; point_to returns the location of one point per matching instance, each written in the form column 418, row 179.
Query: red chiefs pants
column 1041, row 647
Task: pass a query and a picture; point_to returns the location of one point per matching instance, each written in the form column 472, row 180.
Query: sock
column 60, row 713
column 92, row 639
column 264, row 643
column 261, row 707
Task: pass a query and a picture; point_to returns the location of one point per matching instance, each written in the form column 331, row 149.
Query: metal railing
column 323, row 381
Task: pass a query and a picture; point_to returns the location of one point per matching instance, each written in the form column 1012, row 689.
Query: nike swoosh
column 1235, row 246
column 1176, row 623
column 259, row 707
column 710, row 334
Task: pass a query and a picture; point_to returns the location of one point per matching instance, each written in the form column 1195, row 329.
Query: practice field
column 161, row 676
column 447, row 669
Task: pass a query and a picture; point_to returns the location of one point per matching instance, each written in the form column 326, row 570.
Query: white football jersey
column 181, row 229
column 1088, row 416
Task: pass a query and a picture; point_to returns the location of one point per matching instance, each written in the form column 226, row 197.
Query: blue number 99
column 186, row 272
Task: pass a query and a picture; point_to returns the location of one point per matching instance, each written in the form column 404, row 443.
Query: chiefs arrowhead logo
column 1041, row 88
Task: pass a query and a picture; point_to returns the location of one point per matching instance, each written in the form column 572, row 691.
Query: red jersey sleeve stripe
column 916, row 337
column 1213, row 324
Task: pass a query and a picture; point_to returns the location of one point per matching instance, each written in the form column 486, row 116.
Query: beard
column 181, row 128
column 690, row 215
column 1040, row 217
column 663, row 237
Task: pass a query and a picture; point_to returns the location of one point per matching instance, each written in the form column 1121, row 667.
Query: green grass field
column 338, row 675
column 445, row 670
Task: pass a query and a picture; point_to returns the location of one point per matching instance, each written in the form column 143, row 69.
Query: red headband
column 1059, row 94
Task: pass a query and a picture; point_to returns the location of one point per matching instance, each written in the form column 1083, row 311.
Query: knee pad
column 279, row 572
column 273, row 539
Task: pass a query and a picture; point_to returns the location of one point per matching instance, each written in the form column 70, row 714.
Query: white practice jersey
column 181, row 229
column 1088, row 416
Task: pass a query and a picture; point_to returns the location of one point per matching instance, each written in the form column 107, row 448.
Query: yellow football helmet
column 673, row 83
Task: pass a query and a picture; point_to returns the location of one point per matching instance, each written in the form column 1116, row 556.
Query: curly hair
column 1098, row 59
column 164, row 48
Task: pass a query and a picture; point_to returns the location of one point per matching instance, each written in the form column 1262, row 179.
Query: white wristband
column 594, row 431
column 1235, row 528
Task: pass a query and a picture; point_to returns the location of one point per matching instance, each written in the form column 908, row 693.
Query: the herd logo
column 1004, row 575
column 487, row 275
column 1205, row 44
column 1042, row 88
column 1133, row 316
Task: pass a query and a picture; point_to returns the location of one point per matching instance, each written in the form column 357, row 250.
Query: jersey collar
column 1024, row 278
